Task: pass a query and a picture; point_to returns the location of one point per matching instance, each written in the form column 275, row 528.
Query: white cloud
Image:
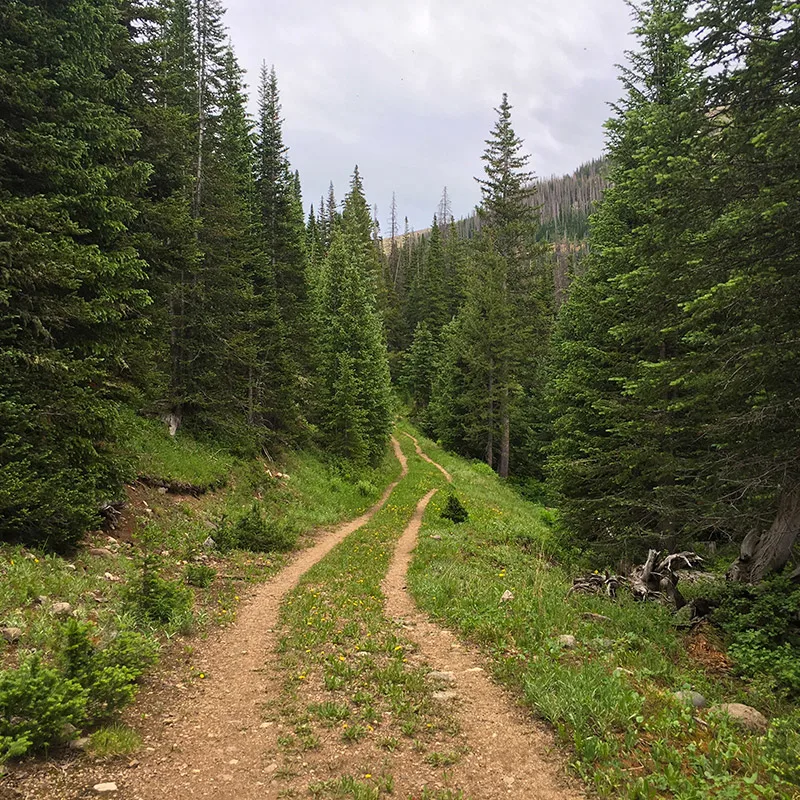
column 406, row 89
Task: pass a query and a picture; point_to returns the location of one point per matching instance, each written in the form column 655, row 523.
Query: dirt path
column 218, row 737
column 509, row 755
column 213, row 743
column 425, row 457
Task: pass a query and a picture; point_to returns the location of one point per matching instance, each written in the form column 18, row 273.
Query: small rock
column 11, row 635
column 79, row 744
column 100, row 552
column 60, row 609
column 567, row 641
column 442, row 677
column 745, row 716
column 105, row 788
column 474, row 669
column 507, row 595
column 436, row 537
column 70, row 566
column 133, row 764
column 111, row 540
column 41, row 600
column 508, row 780
column 592, row 617
column 162, row 489
column 445, row 695
column 688, row 696
column 272, row 767
column 622, row 671
column 209, row 543
column 114, row 578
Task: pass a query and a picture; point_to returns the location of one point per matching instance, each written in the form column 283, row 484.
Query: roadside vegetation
column 351, row 676
column 610, row 694
column 80, row 629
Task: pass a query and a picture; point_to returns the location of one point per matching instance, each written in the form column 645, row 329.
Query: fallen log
column 652, row 580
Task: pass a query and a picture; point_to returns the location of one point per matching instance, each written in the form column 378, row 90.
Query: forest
column 621, row 344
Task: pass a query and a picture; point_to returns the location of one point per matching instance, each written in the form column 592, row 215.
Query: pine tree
column 282, row 221
column 353, row 397
column 70, row 283
column 741, row 322
column 626, row 440
column 508, row 280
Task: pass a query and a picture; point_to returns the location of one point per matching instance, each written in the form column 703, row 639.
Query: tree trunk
column 505, row 440
column 490, row 432
column 762, row 554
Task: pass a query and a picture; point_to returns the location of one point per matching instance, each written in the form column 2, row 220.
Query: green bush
column 256, row 532
column 782, row 748
column 200, row 575
column 37, row 704
column 366, row 488
column 107, row 675
column 763, row 626
column 158, row 599
column 454, row 510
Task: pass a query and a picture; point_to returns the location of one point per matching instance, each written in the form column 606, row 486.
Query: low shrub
column 763, row 626
column 256, row 532
column 107, row 675
column 454, row 509
column 159, row 599
column 38, row 704
column 200, row 575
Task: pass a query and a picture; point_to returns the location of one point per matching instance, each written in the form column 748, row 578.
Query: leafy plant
column 763, row 623
column 157, row 598
column 37, row 704
column 256, row 531
column 200, row 575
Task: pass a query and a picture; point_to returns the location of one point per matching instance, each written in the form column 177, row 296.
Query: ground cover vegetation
column 78, row 632
column 171, row 321
column 610, row 694
column 349, row 671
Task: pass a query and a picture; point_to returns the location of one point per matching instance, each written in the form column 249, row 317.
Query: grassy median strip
column 352, row 677
column 610, row 694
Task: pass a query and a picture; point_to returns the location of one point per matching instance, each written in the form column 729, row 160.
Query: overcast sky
column 406, row 88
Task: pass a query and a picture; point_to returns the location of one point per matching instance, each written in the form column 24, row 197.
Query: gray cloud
column 407, row 90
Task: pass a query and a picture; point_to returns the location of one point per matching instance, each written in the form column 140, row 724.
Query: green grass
column 181, row 458
column 114, row 740
column 172, row 530
column 336, row 639
column 612, row 705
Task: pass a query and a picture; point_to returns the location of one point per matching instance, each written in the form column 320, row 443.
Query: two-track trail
column 220, row 739
column 509, row 754
column 213, row 744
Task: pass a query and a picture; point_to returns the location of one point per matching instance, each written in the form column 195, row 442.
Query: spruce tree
column 282, row 222
column 352, row 374
column 508, row 280
column 70, row 285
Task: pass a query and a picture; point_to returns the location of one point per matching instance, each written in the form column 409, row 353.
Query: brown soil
column 509, row 755
column 425, row 457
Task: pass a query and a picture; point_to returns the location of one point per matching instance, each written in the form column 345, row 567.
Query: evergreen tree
column 624, row 450
column 508, row 281
column 70, row 282
column 353, row 398
column 282, row 222
column 743, row 373
column 419, row 371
